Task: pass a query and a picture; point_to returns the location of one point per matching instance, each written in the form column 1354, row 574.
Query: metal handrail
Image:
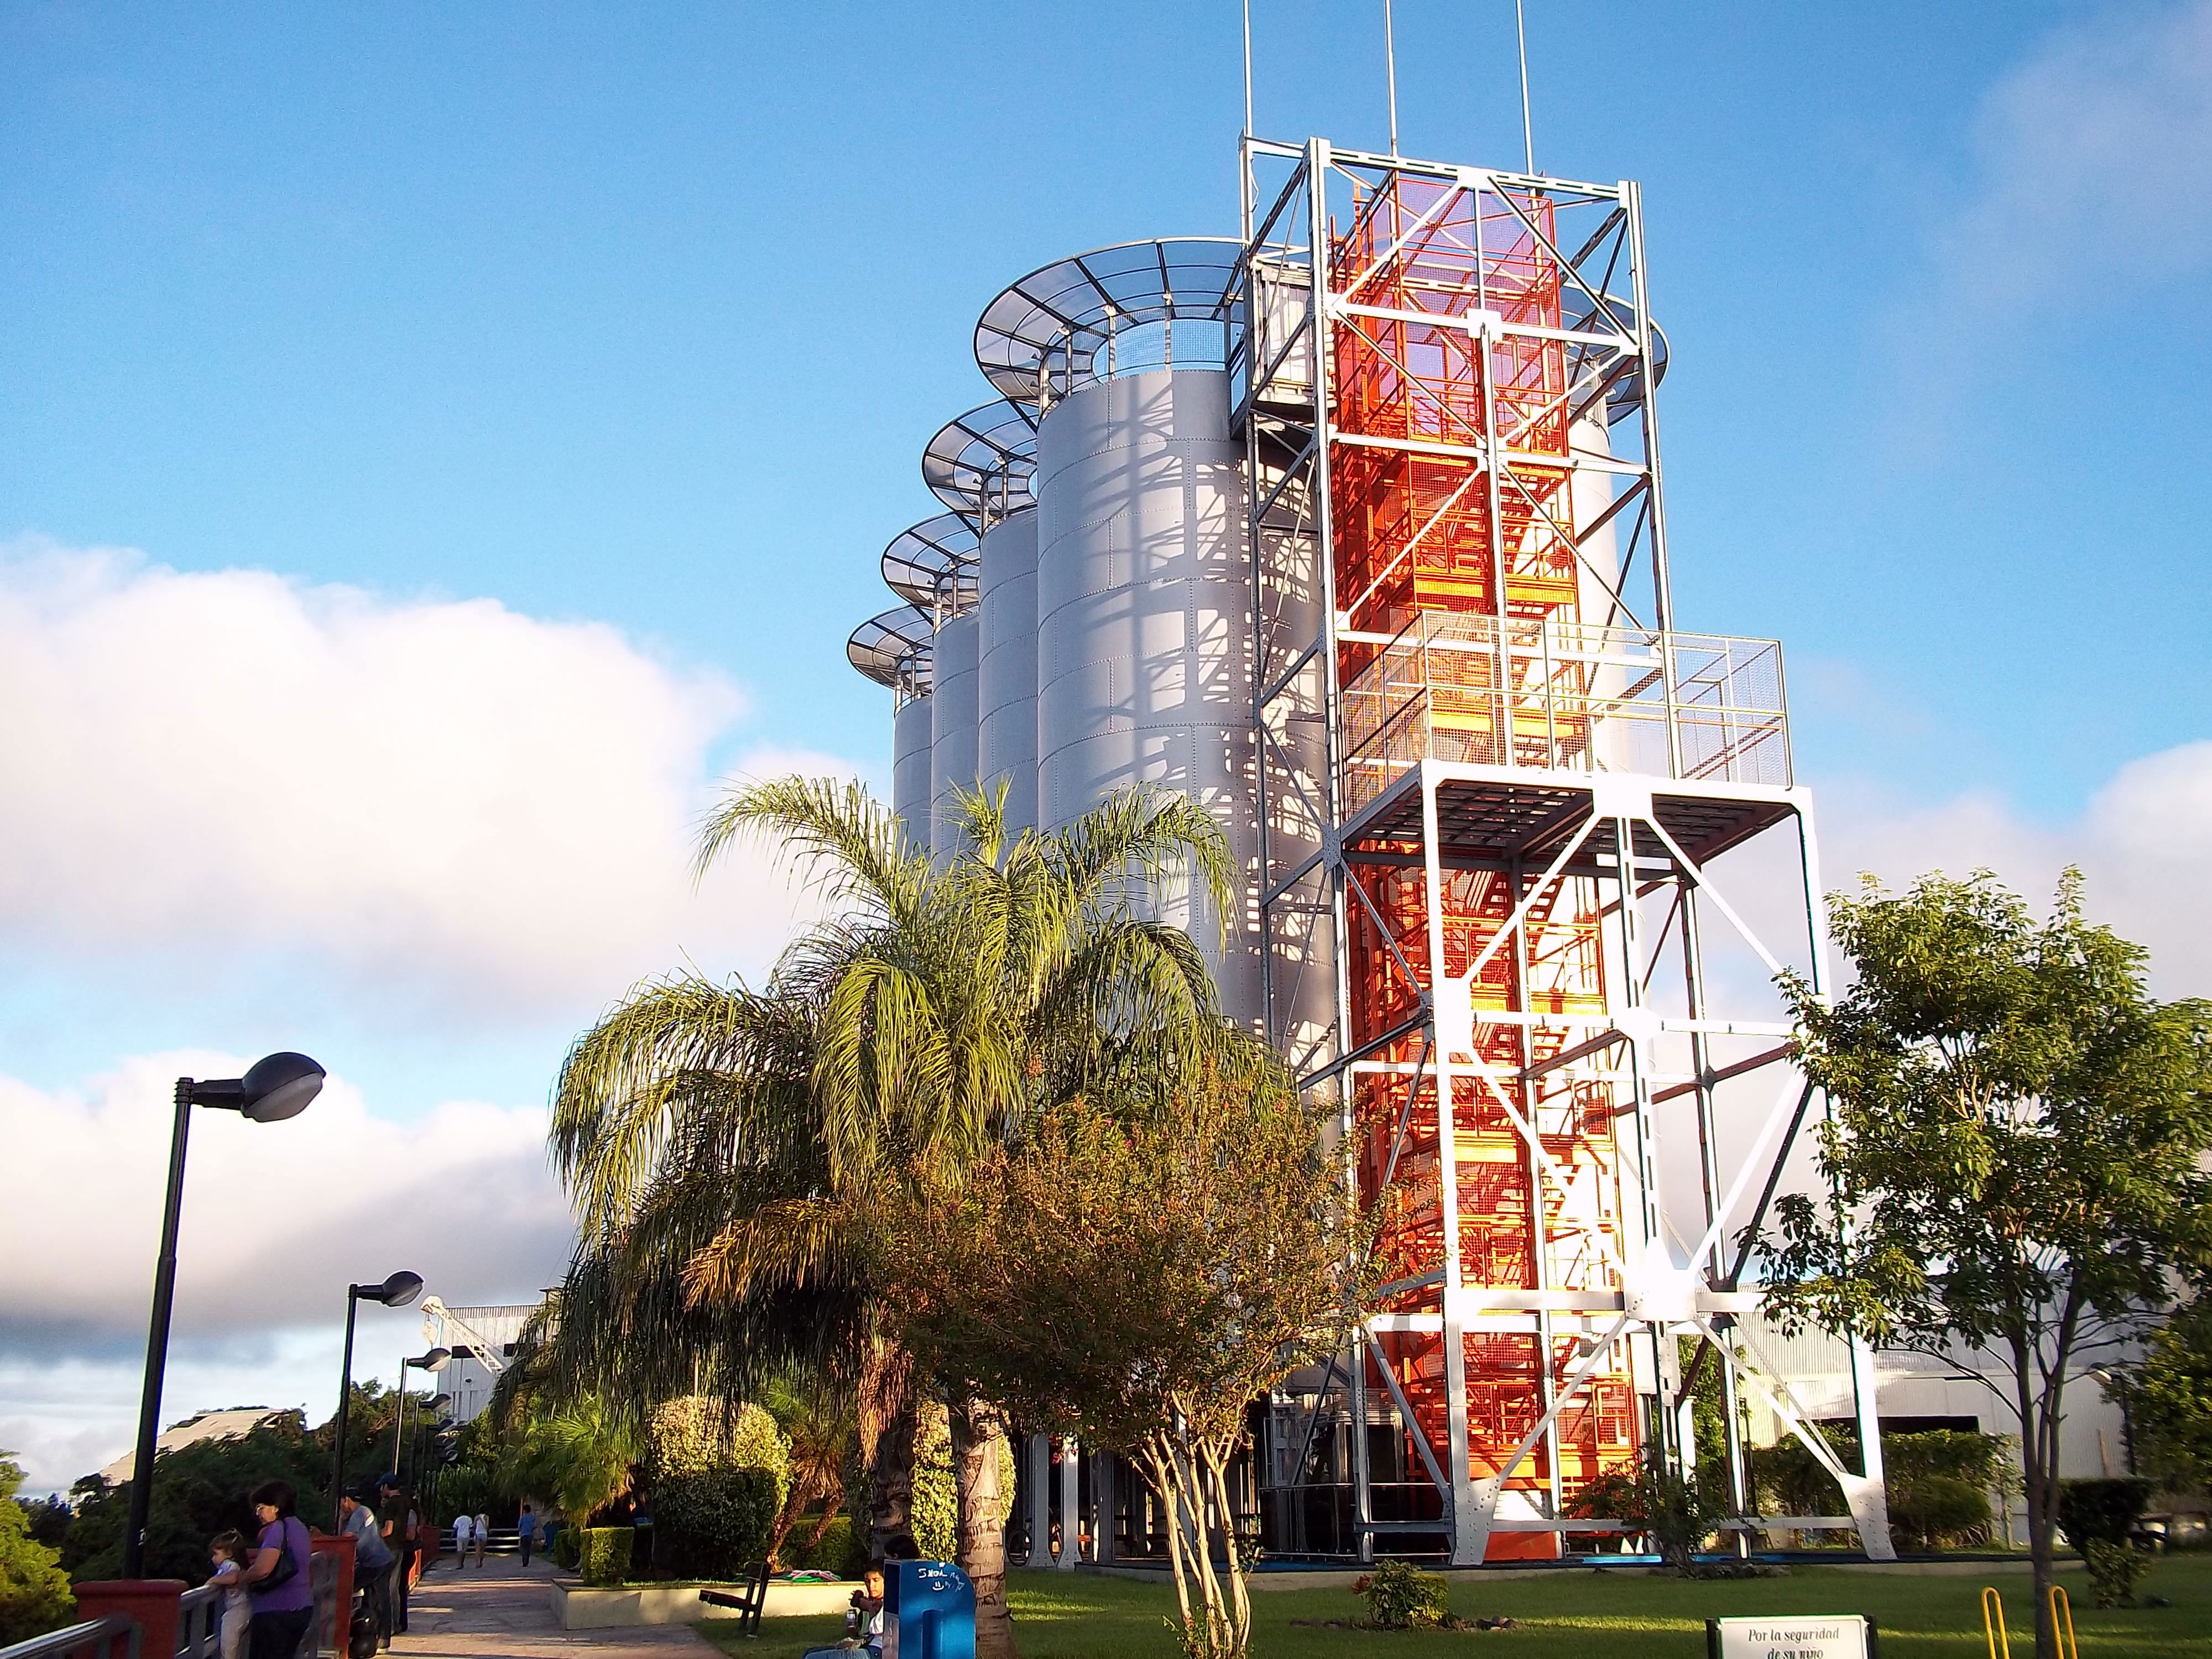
column 199, row 1624
column 1564, row 696
column 200, row 1627
column 97, row 1639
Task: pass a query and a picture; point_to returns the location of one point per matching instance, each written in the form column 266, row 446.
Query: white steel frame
column 1647, row 839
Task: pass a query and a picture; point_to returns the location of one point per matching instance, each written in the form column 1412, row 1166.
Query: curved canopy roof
column 1055, row 320
column 981, row 462
column 895, row 643
column 1626, row 391
column 933, row 564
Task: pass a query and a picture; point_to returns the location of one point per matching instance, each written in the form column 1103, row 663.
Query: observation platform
column 1531, row 728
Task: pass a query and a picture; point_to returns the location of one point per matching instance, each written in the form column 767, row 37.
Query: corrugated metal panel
column 1145, row 623
column 1006, row 695
column 952, row 728
column 910, row 754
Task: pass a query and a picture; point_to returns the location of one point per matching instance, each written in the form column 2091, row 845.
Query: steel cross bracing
column 1494, row 779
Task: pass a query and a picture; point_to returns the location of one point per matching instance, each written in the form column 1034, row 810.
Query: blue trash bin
column 929, row 1612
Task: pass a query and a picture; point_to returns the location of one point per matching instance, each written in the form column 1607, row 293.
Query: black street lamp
column 274, row 1088
column 433, row 1360
column 396, row 1292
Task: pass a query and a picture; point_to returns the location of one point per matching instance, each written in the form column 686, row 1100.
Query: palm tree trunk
column 831, row 1508
column 979, row 1434
column 889, row 1429
column 891, row 1482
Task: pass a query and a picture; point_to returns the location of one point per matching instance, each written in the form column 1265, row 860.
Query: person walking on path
column 278, row 1577
column 525, row 1532
column 463, row 1525
column 482, row 1534
column 372, row 1561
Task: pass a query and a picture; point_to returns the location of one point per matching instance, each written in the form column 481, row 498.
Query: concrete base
column 577, row 1605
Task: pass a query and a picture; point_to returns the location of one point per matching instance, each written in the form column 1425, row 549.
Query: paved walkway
column 503, row 1610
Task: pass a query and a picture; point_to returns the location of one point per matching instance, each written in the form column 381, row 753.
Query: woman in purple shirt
column 278, row 1577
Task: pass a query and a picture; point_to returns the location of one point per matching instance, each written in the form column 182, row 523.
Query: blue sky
column 644, row 317
column 490, row 354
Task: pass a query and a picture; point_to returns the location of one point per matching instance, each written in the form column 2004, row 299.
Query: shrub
column 1401, row 1596
column 1938, row 1509
column 2113, row 1569
column 843, row 1549
column 934, row 1510
column 712, row 1524
column 606, row 1554
column 2107, row 1512
column 567, row 1551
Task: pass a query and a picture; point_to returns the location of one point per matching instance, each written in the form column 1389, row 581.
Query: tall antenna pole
column 1391, row 68
column 1247, row 68
column 1528, row 133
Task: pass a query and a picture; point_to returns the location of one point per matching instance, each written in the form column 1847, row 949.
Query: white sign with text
column 1827, row 1636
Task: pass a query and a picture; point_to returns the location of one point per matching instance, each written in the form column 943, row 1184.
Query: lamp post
column 436, row 1403
column 396, row 1292
column 274, row 1088
column 436, row 1360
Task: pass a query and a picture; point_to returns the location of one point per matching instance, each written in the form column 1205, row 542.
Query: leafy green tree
column 46, row 1519
column 34, row 1591
column 818, row 1431
column 730, row 1153
column 199, row 1491
column 1135, row 1270
column 581, row 1453
column 2169, row 1400
column 2015, row 1162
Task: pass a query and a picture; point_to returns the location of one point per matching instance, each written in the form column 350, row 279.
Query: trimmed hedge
column 843, row 1549
column 714, row 1523
column 605, row 1556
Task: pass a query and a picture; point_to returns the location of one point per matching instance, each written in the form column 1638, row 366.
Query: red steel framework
column 1492, row 782
column 1421, row 531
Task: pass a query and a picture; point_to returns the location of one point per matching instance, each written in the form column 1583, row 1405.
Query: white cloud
column 2094, row 164
column 441, row 806
column 278, row 1218
column 2144, row 845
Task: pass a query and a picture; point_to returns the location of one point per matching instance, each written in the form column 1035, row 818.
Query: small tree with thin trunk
column 2015, row 1162
column 1144, row 1264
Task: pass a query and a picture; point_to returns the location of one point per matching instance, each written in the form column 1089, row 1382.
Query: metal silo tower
column 1354, row 529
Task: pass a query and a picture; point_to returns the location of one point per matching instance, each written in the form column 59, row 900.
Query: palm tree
column 682, row 1118
column 725, row 1149
column 819, row 1427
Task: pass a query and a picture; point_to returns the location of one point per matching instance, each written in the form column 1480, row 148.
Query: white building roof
column 234, row 1425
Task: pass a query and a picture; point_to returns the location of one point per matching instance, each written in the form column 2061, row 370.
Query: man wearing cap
column 372, row 1559
column 396, row 1524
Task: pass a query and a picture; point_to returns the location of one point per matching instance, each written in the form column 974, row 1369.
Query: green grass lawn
column 1080, row 1616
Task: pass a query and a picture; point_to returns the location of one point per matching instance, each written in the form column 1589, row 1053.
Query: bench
column 748, row 1602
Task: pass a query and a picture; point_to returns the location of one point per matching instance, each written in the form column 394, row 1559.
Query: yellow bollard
column 1993, row 1626
column 2062, row 1621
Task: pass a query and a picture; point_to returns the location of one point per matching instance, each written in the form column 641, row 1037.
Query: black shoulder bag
column 286, row 1567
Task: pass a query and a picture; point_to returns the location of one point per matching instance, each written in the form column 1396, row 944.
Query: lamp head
column 396, row 1292
column 436, row 1360
column 280, row 1085
column 440, row 1401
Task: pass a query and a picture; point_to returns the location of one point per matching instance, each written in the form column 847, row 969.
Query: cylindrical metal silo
column 1145, row 625
column 894, row 650
column 1006, row 683
column 911, row 738
column 952, row 755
